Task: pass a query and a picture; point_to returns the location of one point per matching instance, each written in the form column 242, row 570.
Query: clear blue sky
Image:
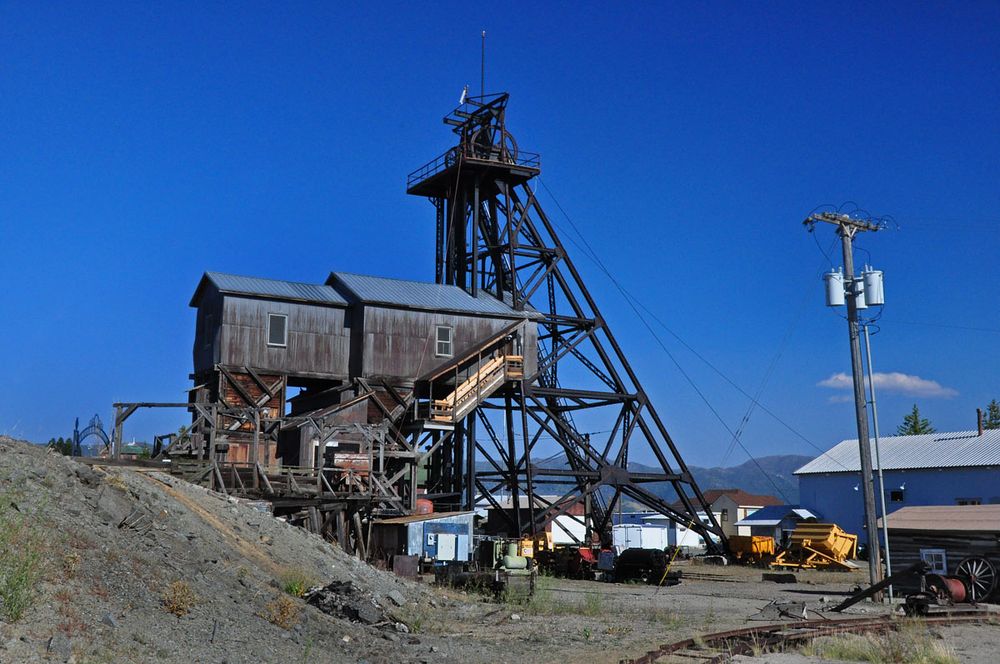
column 144, row 143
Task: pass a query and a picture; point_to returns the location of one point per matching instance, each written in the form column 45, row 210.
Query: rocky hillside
column 118, row 565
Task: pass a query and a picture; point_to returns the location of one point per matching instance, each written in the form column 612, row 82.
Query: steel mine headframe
column 493, row 235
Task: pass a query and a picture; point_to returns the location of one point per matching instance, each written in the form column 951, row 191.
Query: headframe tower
column 584, row 399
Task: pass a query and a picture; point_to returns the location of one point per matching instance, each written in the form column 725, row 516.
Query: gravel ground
column 101, row 598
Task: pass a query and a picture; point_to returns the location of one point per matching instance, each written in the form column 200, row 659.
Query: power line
column 630, row 300
column 588, row 251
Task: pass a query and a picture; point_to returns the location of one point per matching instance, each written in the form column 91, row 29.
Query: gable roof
column 959, row 449
column 269, row 288
column 741, row 497
column 978, row 518
column 419, row 295
column 775, row 514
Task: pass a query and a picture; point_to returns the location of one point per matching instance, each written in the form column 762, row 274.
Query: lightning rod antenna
column 482, row 67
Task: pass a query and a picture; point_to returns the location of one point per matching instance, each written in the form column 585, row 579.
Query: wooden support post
column 116, row 436
column 314, row 522
column 342, row 530
column 362, row 551
column 263, row 478
column 256, row 436
column 211, row 435
column 218, row 476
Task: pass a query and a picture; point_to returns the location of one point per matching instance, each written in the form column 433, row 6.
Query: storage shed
column 945, row 537
column 446, row 536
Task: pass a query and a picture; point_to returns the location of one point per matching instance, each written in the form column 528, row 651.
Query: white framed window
column 277, row 330
column 937, row 559
column 443, row 346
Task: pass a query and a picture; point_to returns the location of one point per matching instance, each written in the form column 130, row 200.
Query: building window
column 896, row 496
column 443, row 347
column 725, row 515
column 936, row 558
column 277, row 330
column 968, row 501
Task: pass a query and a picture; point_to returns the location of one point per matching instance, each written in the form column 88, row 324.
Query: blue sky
column 144, row 144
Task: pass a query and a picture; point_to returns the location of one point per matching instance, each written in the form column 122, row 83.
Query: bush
column 179, row 599
column 21, row 560
column 282, row 612
column 295, row 582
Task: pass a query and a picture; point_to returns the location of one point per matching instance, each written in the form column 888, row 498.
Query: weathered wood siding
column 206, row 337
column 318, row 341
column 400, row 344
column 905, row 546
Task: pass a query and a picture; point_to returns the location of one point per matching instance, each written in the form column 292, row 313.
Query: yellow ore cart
column 751, row 549
column 815, row 545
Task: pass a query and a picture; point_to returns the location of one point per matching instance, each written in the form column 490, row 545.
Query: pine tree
column 991, row 418
column 914, row 425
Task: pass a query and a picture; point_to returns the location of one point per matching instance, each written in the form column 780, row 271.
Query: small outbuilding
column 777, row 521
column 438, row 537
column 951, row 539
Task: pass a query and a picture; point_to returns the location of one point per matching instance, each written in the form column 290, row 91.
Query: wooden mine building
column 354, row 399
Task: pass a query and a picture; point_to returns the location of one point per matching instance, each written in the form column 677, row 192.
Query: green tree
column 991, row 416
column 914, row 425
column 62, row 445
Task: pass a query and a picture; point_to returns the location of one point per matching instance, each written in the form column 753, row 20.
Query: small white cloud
column 896, row 383
column 840, row 398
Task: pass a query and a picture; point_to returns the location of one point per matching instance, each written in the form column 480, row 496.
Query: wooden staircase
column 493, row 373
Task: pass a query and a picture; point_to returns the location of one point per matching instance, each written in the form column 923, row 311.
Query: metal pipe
column 878, row 460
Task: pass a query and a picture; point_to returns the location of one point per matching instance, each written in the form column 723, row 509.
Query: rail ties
column 721, row 646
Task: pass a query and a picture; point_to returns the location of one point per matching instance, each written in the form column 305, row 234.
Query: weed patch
column 283, row 612
column 910, row 644
column 21, row 559
column 295, row 582
column 179, row 599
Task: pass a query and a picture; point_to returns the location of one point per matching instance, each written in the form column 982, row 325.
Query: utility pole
column 878, row 458
column 847, row 227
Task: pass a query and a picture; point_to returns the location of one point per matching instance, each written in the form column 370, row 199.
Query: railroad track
column 720, row 647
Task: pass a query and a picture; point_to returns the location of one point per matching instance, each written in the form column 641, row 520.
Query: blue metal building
column 957, row 468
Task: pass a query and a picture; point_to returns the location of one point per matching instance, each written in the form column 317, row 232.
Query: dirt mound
column 122, row 565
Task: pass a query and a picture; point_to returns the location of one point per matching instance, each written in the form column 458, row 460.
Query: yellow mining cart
column 751, row 549
column 819, row 545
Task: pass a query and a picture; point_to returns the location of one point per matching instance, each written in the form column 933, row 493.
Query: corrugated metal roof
column 415, row 518
column 775, row 514
column 419, row 295
column 275, row 288
column 978, row 518
column 959, row 449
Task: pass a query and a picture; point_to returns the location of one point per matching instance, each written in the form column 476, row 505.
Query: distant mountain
column 748, row 476
column 775, row 480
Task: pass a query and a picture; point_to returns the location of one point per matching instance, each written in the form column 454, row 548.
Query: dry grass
column 910, row 644
column 283, row 612
column 179, row 599
column 71, row 564
column 22, row 561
